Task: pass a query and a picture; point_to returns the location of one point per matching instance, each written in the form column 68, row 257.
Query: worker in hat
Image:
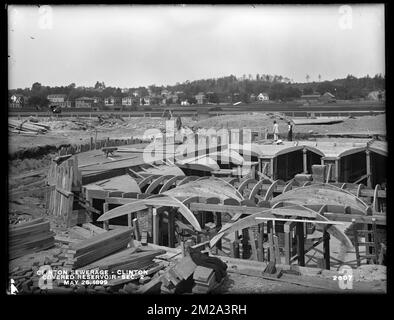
column 289, row 131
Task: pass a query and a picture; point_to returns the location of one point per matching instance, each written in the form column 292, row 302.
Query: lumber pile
column 128, row 259
column 97, row 247
column 204, row 279
column 29, row 237
column 17, row 126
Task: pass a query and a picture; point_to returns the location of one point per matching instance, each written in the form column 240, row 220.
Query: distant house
column 377, row 95
column 125, row 90
column 112, row 101
column 327, row 97
column 97, row 100
column 185, row 103
column 84, row 102
column 54, row 98
column 145, row 101
column 311, row 97
column 17, row 101
column 127, row 101
column 164, row 93
column 263, row 97
column 59, row 100
column 200, row 98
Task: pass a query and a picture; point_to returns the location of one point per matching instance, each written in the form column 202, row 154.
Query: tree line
column 224, row 89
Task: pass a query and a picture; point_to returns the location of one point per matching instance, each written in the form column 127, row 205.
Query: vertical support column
column 368, row 165
column 288, row 244
column 155, row 226
column 245, row 244
column 105, row 223
column 326, row 249
column 272, row 168
column 337, row 170
column 300, row 243
column 305, row 160
column 260, row 242
column 253, row 171
column 171, row 229
column 218, row 227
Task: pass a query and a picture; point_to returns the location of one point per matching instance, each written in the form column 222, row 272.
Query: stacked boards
column 128, row 259
column 97, row 247
column 29, row 237
column 204, row 279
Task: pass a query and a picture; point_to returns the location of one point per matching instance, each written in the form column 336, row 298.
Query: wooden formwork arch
column 146, row 180
column 155, row 183
column 188, row 179
column 245, row 183
column 288, row 186
column 257, row 187
column 270, row 192
column 170, row 182
column 375, row 202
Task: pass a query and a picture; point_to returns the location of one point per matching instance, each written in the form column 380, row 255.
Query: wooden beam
column 253, row 243
column 156, row 229
column 171, row 229
column 300, row 243
column 326, row 249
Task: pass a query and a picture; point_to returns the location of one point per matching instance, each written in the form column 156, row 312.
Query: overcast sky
column 130, row 46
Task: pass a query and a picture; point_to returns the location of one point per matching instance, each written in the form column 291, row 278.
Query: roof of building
column 327, row 149
column 59, row 95
column 306, row 96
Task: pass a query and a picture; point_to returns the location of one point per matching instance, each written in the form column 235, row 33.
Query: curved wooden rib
column 190, row 200
column 231, row 180
column 375, row 202
column 329, row 172
column 141, row 205
column 251, row 221
column 306, row 183
column 146, row 180
column 187, row 179
column 123, row 210
column 321, row 194
column 169, row 183
column 270, row 191
column 185, row 211
column 257, row 187
column 245, row 183
column 360, row 186
column 203, row 178
column 156, row 183
column 288, row 186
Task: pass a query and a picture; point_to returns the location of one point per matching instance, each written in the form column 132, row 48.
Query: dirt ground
column 67, row 131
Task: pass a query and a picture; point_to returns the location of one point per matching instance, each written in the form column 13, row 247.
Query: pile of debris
column 110, row 120
column 28, row 237
column 27, row 127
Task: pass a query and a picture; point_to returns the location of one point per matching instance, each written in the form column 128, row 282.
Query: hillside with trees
column 225, row 89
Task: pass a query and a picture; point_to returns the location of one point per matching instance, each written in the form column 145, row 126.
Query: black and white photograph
column 196, row 150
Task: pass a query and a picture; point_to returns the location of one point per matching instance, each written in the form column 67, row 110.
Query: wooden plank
column 94, row 228
column 253, row 244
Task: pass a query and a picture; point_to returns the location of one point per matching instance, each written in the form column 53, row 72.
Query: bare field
column 68, row 132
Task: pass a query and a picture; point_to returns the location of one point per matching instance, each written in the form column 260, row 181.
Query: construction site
column 112, row 205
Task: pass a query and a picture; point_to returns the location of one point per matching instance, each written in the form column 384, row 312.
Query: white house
column 263, row 97
column 127, row 101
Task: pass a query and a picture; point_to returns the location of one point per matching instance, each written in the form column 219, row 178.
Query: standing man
column 276, row 130
column 290, row 131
